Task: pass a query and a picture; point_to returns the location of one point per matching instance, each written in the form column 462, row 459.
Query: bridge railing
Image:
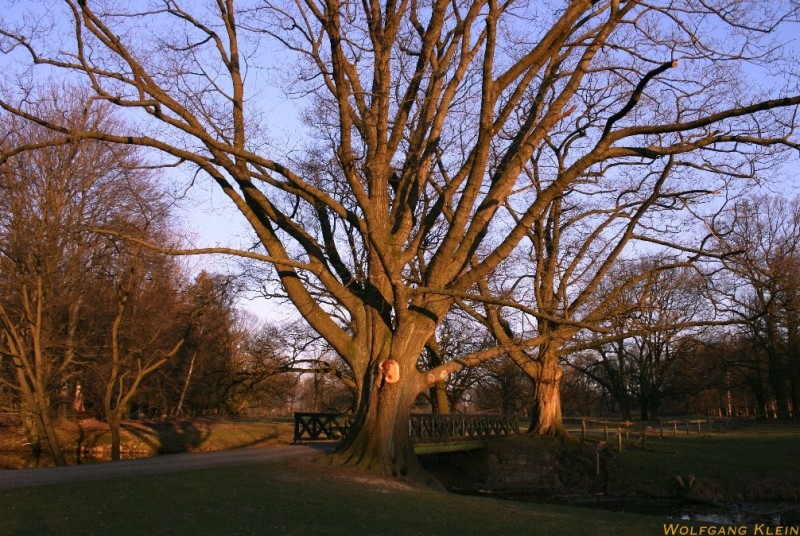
column 422, row 428
column 446, row 427
column 314, row 426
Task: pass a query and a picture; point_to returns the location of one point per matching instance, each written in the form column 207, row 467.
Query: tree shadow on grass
column 169, row 437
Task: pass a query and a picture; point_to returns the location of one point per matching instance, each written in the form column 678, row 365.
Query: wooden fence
column 618, row 432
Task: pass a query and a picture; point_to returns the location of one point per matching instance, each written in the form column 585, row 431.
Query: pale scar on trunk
column 391, row 371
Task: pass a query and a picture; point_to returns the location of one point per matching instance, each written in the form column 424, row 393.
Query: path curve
column 165, row 463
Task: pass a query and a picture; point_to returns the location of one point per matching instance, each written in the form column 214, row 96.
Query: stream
column 732, row 513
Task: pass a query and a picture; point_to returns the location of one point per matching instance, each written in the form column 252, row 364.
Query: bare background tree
column 760, row 286
column 51, row 260
column 655, row 326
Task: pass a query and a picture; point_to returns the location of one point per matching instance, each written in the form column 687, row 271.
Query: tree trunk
column 438, row 391
column 62, row 406
column 625, row 408
column 37, row 373
column 793, row 359
column 187, row 380
column 776, row 374
column 29, row 427
column 619, row 394
column 777, row 379
column 438, row 394
column 378, row 440
column 795, row 388
column 759, row 391
column 546, row 416
column 655, row 405
column 36, row 401
column 114, row 425
column 644, row 412
column 48, row 430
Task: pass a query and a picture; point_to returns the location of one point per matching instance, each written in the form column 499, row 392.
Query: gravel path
column 167, row 463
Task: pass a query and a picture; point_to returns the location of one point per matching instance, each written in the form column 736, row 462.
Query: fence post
column 605, row 431
column 687, row 427
column 660, row 429
column 583, row 429
column 619, row 439
column 597, row 461
column 675, row 428
column 600, row 446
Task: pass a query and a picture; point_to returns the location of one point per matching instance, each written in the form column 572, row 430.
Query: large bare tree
column 426, row 116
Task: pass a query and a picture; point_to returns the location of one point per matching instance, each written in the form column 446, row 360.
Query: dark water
column 732, row 513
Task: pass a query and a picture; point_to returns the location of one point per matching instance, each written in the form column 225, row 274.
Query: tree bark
column 439, row 401
column 793, row 359
column 546, row 416
column 31, row 371
column 644, row 412
column 775, row 369
column 760, row 408
column 36, row 416
column 624, row 406
column 777, row 379
column 49, row 430
column 114, row 426
column 187, row 380
column 379, row 440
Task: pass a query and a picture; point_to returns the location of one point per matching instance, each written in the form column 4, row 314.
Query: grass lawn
column 752, row 463
column 287, row 498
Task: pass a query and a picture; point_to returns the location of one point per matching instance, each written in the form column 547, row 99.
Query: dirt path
column 167, row 463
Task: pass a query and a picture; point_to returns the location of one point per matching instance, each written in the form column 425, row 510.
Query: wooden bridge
column 431, row 433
